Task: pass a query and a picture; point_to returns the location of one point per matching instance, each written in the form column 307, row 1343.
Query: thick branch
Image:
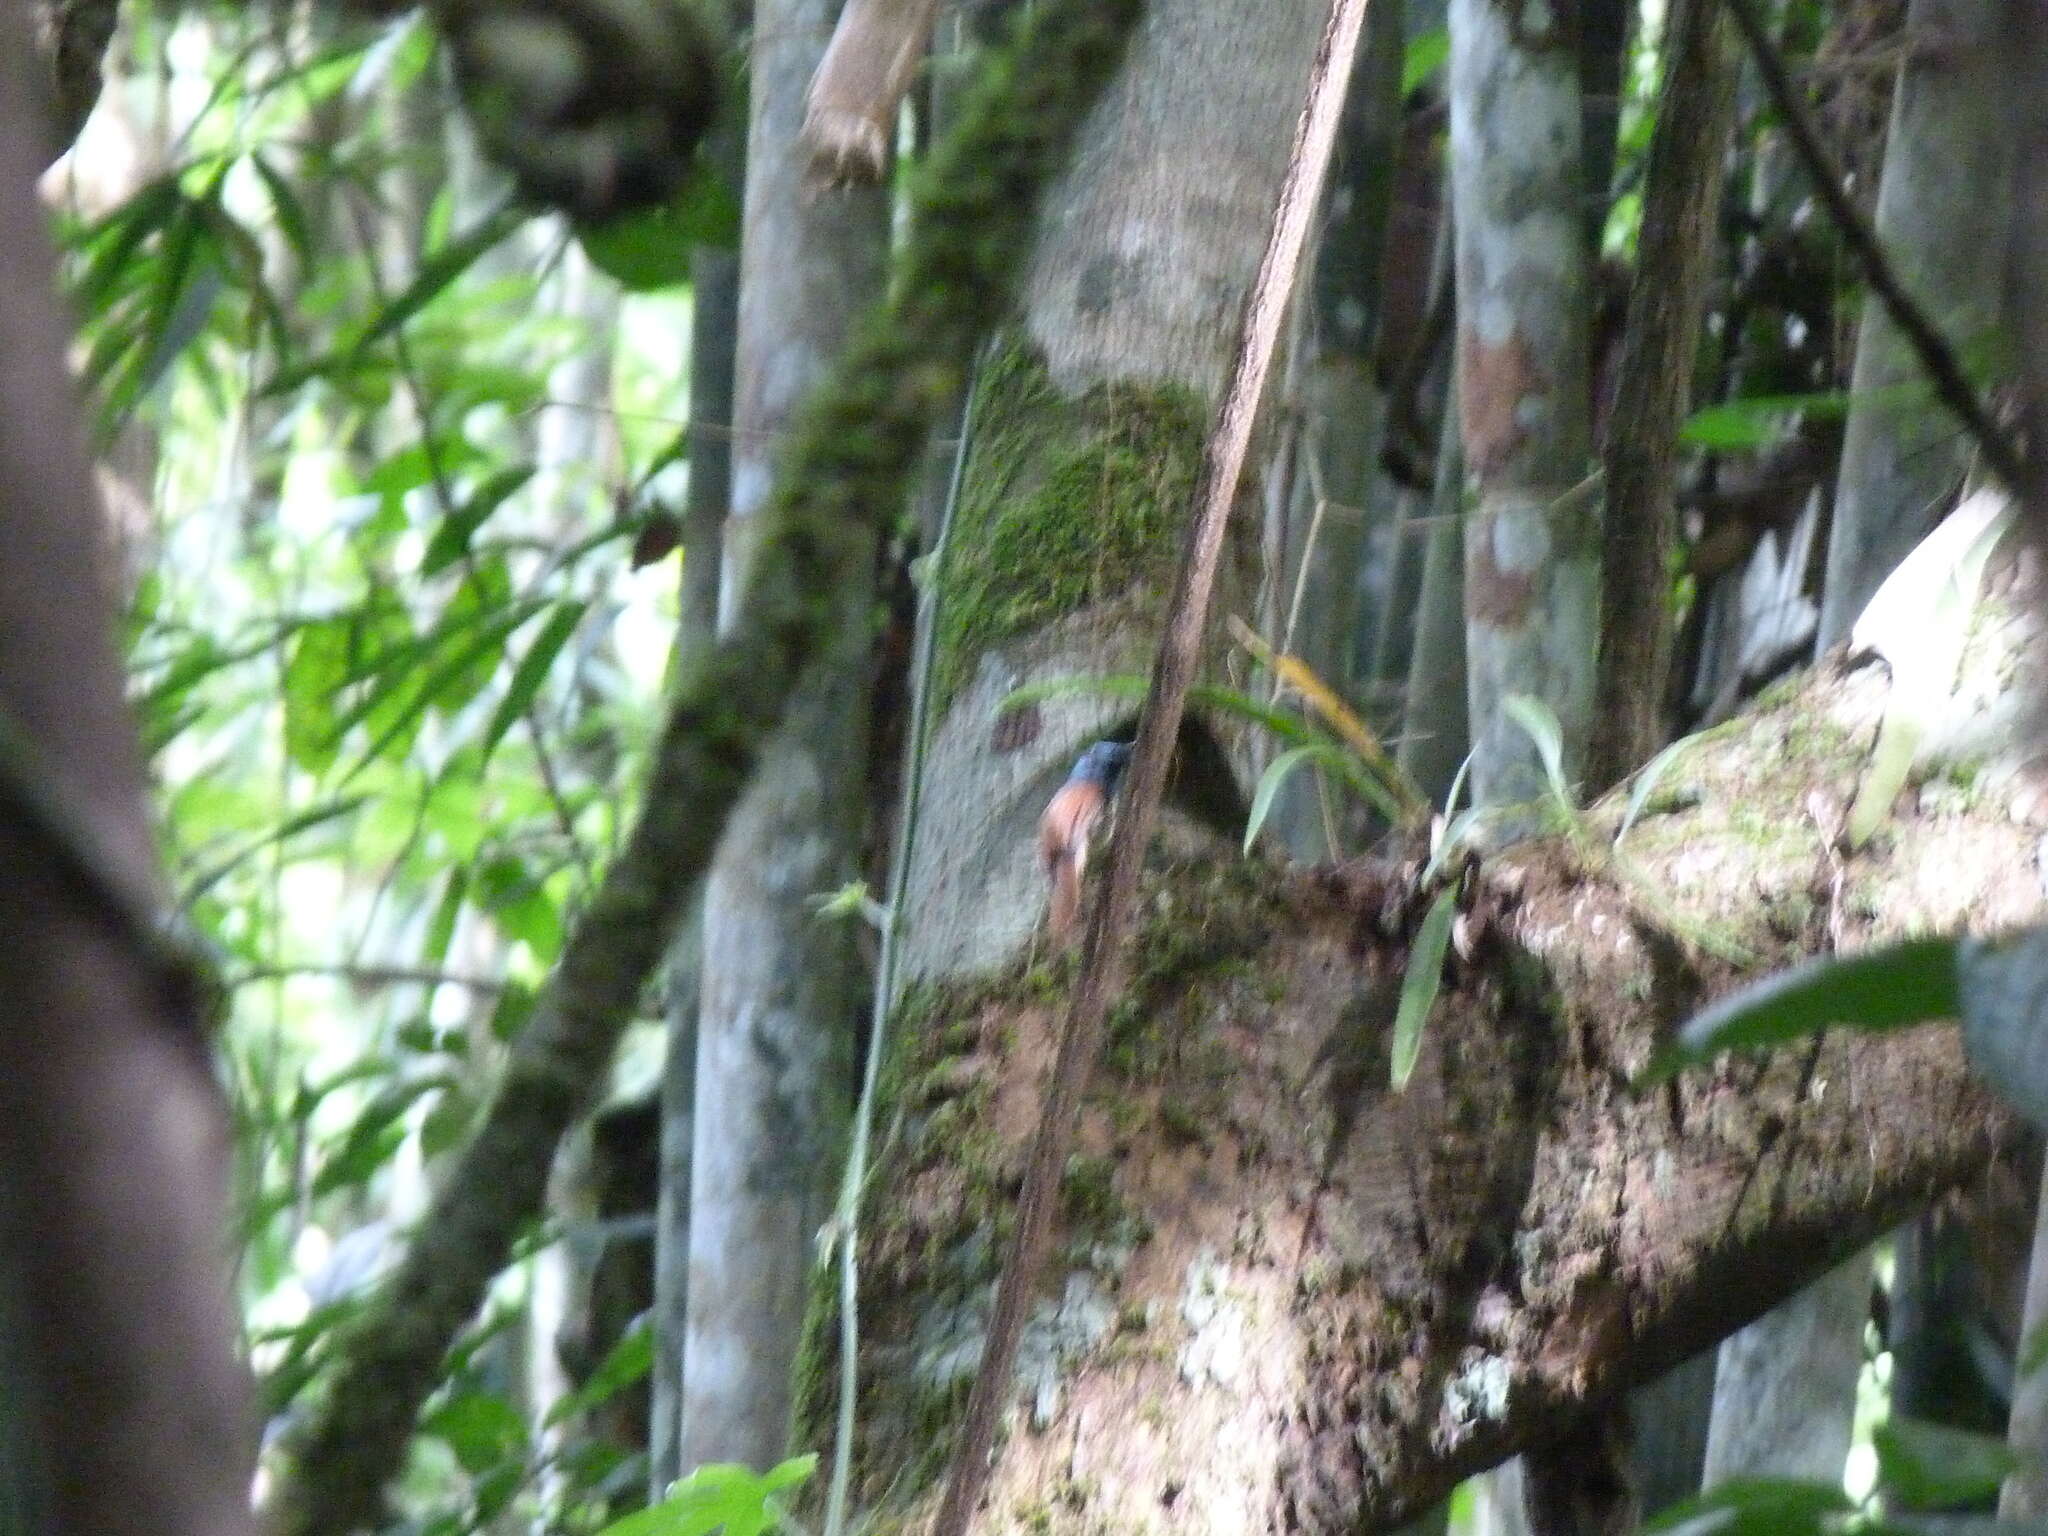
column 1951, row 385
column 1289, row 1300
column 847, row 474
column 850, row 109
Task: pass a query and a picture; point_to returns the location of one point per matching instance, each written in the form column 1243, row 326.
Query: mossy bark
column 1287, row 1299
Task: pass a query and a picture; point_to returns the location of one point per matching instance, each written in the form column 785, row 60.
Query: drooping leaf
column 1277, row 773
column 439, row 270
column 1893, row 986
column 1419, row 985
column 1540, row 725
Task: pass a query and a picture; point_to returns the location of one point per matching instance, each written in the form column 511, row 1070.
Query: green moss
column 1066, row 504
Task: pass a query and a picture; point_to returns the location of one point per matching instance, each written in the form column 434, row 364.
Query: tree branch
column 848, row 471
column 1950, row 383
column 1104, row 961
column 850, row 109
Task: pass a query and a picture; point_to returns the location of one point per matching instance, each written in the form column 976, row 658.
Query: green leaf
column 1894, row 986
column 482, row 1429
column 1276, row 774
column 1425, row 55
column 315, row 669
column 518, row 901
column 1934, row 1466
column 439, row 270
column 1540, row 725
column 451, row 540
column 1647, row 779
column 1756, row 1507
column 1420, row 984
column 734, row 1499
column 531, row 672
column 628, row 1361
column 651, row 250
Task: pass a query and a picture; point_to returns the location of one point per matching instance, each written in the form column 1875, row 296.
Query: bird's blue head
column 1103, row 764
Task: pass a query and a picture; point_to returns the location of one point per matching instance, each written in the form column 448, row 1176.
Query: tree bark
column 1681, row 212
column 1088, row 431
column 1531, row 543
column 778, row 988
column 126, row 1408
column 1291, row 1300
column 1941, row 216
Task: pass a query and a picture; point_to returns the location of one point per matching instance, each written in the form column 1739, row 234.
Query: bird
column 1069, row 824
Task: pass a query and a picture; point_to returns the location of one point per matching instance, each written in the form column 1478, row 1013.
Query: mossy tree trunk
column 1087, row 431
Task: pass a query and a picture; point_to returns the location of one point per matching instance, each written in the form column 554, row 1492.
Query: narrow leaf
column 531, row 672
column 1648, row 777
column 1420, row 985
column 1277, row 773
column 1892, row 987
column 1540, row 725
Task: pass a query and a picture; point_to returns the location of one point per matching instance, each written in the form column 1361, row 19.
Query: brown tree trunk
column 112, row 1135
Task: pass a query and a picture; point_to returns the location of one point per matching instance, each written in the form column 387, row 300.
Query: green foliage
column 731, row 1499
column 1894, row 986
column 1420, row 983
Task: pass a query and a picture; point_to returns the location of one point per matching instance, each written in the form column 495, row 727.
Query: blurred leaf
column 734, row 1499
column 1425, row 55
column 451, row 540
column 1420, row 983
column 628, row 1361
column 441, row 927
column 1893, row 986
column 1541, row 727
column 1648, row 777
column 483, row 1430
column 650, row 250
column 439, row 270
column 517, row 900
column 1756, row 1507
column 1276, row 774
column 532, row 672
column 1933, row 1466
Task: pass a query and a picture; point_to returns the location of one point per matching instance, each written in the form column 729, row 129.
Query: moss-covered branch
column 1287, row 1299
column 847, row 473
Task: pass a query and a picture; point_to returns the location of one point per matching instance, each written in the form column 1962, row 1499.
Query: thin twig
column 1103, row 961
column 1951, row 385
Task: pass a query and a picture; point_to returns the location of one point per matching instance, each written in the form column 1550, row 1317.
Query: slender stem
column 1951, row 385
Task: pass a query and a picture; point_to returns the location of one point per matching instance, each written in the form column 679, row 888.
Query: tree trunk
column 1532, row 542
column 1785, row 1395
column 714, row 327
column 1941, row 215
column 778, row 990
column 1088, row 432
column 134, row 1415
